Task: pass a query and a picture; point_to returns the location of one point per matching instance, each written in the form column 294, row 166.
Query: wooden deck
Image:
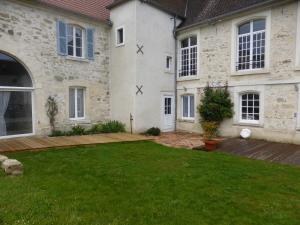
column 38, row 143
column 263, row 150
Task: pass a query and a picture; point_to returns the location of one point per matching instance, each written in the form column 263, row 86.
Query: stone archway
column 16, row 101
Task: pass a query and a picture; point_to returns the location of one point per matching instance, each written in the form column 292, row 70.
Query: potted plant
column 215, row 106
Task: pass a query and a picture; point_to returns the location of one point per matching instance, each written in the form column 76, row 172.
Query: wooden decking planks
column 263, row 150
column 37, row 143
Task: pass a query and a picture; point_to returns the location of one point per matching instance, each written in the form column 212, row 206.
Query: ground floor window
column 250, row 107
column 76, row 103
column 188, row 109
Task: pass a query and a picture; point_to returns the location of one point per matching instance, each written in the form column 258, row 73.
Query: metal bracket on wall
column 140, row 49
column 139, row 90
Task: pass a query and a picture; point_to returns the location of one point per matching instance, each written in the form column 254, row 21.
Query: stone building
column 149, row 61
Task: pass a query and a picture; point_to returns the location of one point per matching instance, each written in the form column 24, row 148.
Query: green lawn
column 146, row 183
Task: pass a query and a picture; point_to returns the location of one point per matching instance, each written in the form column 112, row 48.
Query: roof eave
column 158, row 6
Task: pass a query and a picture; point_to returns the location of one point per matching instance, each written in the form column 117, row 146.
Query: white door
column 168, row 113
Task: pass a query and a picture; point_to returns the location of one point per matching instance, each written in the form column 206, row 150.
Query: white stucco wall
column 153, row 29
column 28, row 32
column 123, row 63
column 279, row 81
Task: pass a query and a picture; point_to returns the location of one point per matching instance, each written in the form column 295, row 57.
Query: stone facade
column 278, row 83
column 28, row 33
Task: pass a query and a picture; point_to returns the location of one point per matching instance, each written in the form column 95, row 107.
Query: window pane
column 13, row 73
column 70, row 30
column 259, row 25
column 72, row 103
column 79, row 52
column 244, row 28
column 185, row 43
column 80, row 102
column 192, row 103
column 120, row 35
column 193, row 41
column 15, row 113
column 185, row 106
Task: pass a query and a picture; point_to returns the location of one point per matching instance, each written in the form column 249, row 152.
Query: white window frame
column 189, row 107
column 76, row 103
column 297, row 66
column 181, row 37
column 83, row 41
column 117, row 36
column 298, row 113
column 234, row 47
column 238, row 92
column 241, row 106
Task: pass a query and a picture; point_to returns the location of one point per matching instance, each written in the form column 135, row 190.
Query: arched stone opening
column 16, row 102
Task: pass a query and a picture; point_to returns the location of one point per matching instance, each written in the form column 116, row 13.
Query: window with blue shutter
column 61, row 38
column 90, row 43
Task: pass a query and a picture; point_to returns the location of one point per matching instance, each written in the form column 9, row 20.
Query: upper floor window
column 168, row 63
column 251, row 45
column 120, row 40
column 250, row 108
column 75, row 41
column 188, row 57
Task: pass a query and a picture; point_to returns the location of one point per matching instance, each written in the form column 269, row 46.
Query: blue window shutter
column 90, row 43
column 61, row 38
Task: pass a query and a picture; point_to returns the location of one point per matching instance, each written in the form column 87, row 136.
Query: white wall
column 123, row 63
column 152, row 28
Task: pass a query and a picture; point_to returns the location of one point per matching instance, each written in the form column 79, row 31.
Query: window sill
column 79, row 121
column 248, row 124
column 72, row 58
column 297, row 68
column 188, row 78
column 169, row 72
column 120, row 45
column 250, row 72
column 183, row 120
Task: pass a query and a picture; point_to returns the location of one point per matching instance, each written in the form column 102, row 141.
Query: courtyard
column 147, row 183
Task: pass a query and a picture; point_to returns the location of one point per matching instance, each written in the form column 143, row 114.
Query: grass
column 146, row 183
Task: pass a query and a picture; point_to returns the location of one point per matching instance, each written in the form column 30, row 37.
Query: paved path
column 38, row 143
column 263, row 150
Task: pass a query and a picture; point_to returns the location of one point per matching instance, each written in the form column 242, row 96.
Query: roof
column 176, row 7
column 193, row 11
column 95, row 9
column 205, row 10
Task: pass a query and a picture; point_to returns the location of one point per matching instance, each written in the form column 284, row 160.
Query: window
column 120, row 36
column 75, row 41
column 16, row 88
column 251, row 45
column 168, row 63
column 250, row 108
column 168, row 106
column 76, row 103
column 188, row 111
column 188, row 57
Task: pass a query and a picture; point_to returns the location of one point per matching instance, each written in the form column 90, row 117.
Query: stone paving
column 180, row 140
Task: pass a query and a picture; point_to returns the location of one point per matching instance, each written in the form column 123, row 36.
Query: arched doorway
column 15, row 98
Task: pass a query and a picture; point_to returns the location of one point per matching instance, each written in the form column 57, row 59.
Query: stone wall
column 28, row 32
column 279, row 82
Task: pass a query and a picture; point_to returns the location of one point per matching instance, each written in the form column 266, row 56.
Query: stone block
column 12, row 167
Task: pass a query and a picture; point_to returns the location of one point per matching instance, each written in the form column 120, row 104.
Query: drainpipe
column 175, row 68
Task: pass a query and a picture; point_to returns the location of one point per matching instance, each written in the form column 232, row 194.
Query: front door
column 168, row 113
